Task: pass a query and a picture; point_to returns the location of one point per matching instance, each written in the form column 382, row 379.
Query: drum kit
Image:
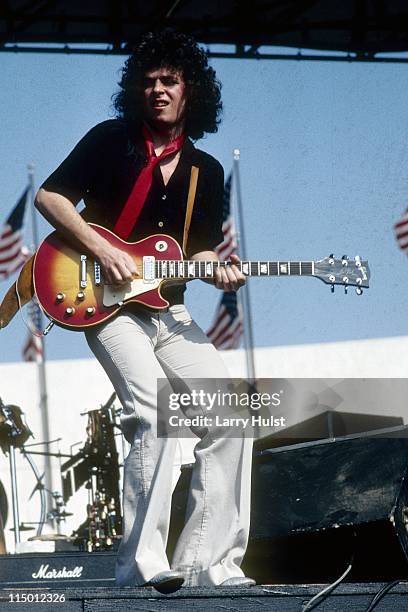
column 95, row 465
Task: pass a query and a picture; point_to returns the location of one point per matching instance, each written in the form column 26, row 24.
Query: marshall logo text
column 45, row 574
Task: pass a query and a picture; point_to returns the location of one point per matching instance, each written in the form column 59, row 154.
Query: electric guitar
column 70, row 288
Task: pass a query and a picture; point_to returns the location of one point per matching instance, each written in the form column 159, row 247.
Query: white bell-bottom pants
column 135, row 350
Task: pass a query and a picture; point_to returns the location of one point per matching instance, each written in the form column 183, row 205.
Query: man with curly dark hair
column 177, row 51
column 139, row 175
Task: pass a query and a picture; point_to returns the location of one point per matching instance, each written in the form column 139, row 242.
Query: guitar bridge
column 148, row 269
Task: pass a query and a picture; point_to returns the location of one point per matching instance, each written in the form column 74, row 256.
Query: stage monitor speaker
column 317, row 504
column 328, row 425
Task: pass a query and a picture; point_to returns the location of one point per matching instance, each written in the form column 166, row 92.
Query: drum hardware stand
column 101, row 524
column 14, row 494
column 58, row 514
column 99, row 458
column 14, row 432
column 38, row 487
column 55, row 514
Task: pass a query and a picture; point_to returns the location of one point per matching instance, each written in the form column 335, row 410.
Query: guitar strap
column 19, row 294
column 190, row 205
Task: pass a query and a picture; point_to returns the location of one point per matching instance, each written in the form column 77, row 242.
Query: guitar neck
column 167, row 269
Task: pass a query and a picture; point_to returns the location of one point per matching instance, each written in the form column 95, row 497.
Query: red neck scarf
column 135, row 202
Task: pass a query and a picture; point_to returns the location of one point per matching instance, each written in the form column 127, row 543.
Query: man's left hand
column 229, row 278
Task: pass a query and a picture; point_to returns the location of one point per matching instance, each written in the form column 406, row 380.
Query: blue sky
column 324, row 167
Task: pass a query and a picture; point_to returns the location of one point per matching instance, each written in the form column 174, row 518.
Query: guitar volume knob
column 90, row 311
column 70, row 311
column 60, row 297
column 81, row 296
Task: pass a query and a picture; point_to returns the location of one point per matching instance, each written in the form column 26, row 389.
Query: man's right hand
column 118, row 267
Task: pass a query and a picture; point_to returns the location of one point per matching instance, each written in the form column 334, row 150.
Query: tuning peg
column 359, row 291
column 345, row 283
column 332, row 288
column 344, row 260
column 357, row 259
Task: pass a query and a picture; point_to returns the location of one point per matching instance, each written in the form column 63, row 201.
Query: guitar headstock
column 344, row 271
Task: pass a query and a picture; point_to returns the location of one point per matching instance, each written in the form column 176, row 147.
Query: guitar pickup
column 82, row 282
column 148, row 269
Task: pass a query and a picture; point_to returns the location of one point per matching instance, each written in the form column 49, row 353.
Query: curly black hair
column 171, row 49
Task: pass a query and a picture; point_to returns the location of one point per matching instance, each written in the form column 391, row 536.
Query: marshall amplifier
column 58, row 570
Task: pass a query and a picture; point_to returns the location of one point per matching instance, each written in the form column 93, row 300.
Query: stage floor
column 277, row 598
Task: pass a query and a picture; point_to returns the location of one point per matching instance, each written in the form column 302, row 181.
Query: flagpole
column 244, row 292
column 41, row 364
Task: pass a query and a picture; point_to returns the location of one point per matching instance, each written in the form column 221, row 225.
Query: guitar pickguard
column 114, row 295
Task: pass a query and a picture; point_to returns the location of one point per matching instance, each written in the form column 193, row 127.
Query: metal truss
column 294, row 30
column 238, row 52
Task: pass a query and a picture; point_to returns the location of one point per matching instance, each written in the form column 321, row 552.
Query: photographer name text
column 254, row 420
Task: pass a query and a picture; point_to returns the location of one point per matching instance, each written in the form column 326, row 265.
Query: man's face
column 164, row 97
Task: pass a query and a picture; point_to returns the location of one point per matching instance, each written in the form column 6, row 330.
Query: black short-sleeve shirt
column 102, row 169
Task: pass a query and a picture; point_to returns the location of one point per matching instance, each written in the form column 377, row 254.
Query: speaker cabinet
column 318, row 504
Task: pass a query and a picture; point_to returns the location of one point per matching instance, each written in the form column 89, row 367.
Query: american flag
column 13, row 253
column 227, row 327
column 401, row 231
column 33, row 347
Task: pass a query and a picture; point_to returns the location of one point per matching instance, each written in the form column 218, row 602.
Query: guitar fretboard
column 206, row 269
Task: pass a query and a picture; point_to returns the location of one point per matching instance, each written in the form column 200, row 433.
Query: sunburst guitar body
column 70, row 288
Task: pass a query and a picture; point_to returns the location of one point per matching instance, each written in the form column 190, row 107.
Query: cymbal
column 23, row 527
column 50, row 537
